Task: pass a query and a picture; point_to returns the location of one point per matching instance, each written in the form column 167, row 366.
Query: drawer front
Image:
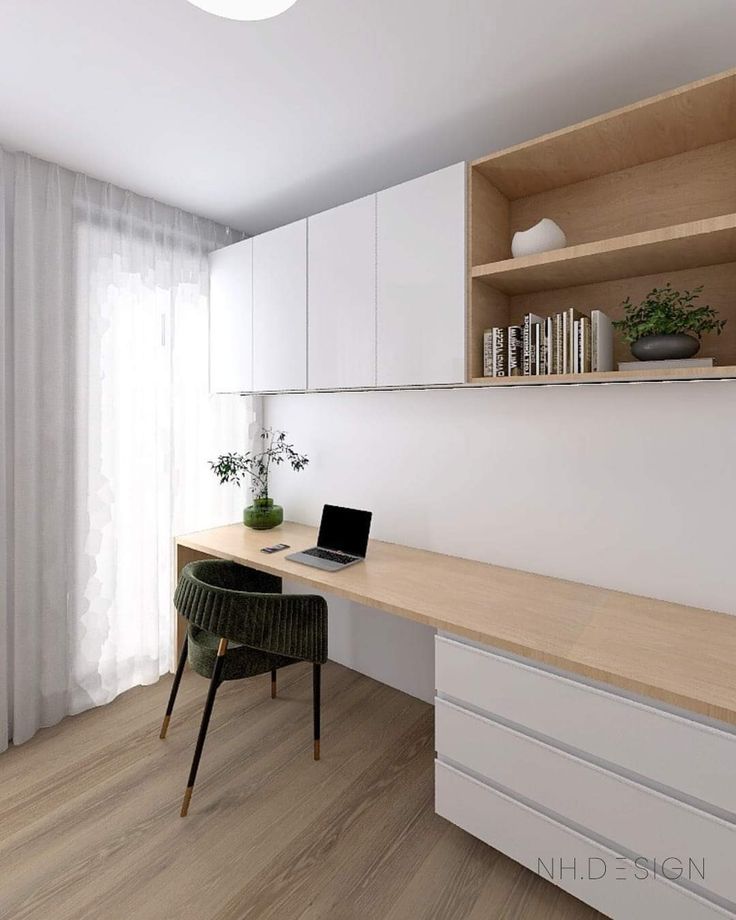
column 692, row 758
column 631, row 816
column 592, row 873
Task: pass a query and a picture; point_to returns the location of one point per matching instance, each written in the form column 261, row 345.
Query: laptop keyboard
column 328, row 554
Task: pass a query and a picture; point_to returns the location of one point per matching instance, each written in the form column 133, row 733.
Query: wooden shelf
column 700, row 242
column 645, row 376
column 646, row 196
column 672, row 123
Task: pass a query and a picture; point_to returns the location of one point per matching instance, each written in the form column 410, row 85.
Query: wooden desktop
column 681, row 656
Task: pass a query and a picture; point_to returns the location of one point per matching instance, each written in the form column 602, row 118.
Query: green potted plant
column 667, row 324
column 263, row 514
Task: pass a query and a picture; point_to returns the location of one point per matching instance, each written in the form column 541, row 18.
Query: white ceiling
column 256, row 124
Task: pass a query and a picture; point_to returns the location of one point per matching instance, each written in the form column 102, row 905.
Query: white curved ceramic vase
column 541, row 237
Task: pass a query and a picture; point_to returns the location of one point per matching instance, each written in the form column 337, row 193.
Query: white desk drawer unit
column 638, row 819
column 683, row 754
column 526, row 835
column 501, row 726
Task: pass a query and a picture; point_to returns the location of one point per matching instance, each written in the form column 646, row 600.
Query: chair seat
column 240, row 660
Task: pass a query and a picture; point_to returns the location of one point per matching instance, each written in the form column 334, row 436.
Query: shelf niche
column 645, row 195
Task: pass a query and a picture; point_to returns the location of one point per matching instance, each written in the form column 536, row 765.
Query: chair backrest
column 242, row 604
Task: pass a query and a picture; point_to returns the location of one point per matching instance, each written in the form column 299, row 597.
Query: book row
column 566, row 343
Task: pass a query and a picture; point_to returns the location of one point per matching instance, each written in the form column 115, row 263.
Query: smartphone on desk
column 276, row 548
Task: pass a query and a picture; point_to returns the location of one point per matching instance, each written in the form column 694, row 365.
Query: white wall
column 631, row 487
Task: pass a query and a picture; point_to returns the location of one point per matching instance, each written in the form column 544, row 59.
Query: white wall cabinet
column 231, row 318
column 342, row 296
column 280, row 308
column 421, row 280
column 371, row 293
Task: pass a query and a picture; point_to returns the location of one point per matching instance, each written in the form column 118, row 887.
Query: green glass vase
column 263, row 514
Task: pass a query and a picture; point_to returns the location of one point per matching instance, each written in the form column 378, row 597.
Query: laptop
column 342, row 539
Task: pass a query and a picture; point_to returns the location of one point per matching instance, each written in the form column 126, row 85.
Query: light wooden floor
column 90, row 826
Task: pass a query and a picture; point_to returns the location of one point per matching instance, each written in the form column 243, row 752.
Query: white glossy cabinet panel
column 683, row 754
column 231, row 318
column 342, row 296
column 531, row 762
column 422, row 280
column 280, row 309
column 634, row 818
column 612, row 883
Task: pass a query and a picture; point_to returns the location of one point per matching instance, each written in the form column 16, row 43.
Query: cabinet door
column 421, row 280
column 280, row 309
column 231, row 318
column 342, row 296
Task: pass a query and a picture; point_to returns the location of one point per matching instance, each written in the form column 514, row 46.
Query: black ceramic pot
column 665, row 347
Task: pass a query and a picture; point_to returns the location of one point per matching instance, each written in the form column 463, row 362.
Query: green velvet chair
column 241, row 625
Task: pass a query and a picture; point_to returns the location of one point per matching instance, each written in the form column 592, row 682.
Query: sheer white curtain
column 5, row 677
column 111, row 425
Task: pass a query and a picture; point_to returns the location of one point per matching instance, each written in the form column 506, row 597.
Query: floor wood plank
column 90, row 827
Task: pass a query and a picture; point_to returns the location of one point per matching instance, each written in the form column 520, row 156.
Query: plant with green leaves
column 665, row 311
column 256, row 465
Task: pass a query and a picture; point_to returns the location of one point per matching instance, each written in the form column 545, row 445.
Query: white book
column 601, row 341
column 499, row 351
column 576, row 347
column 539, row 347
column 585, row 354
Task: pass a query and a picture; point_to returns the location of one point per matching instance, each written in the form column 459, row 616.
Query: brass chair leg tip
column 316, row 750
column 165, row 726
column 185, row 802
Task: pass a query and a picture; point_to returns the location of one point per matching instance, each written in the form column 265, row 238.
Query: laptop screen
column 345, row 530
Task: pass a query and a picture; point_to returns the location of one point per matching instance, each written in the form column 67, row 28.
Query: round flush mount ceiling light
column 244, row 9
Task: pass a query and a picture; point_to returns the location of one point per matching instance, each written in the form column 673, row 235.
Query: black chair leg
column 316, row 675
column 212, row 692
column 273, row 683
column 175, row 687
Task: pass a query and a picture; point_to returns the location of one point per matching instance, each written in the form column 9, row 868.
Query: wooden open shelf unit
column 645, row 194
